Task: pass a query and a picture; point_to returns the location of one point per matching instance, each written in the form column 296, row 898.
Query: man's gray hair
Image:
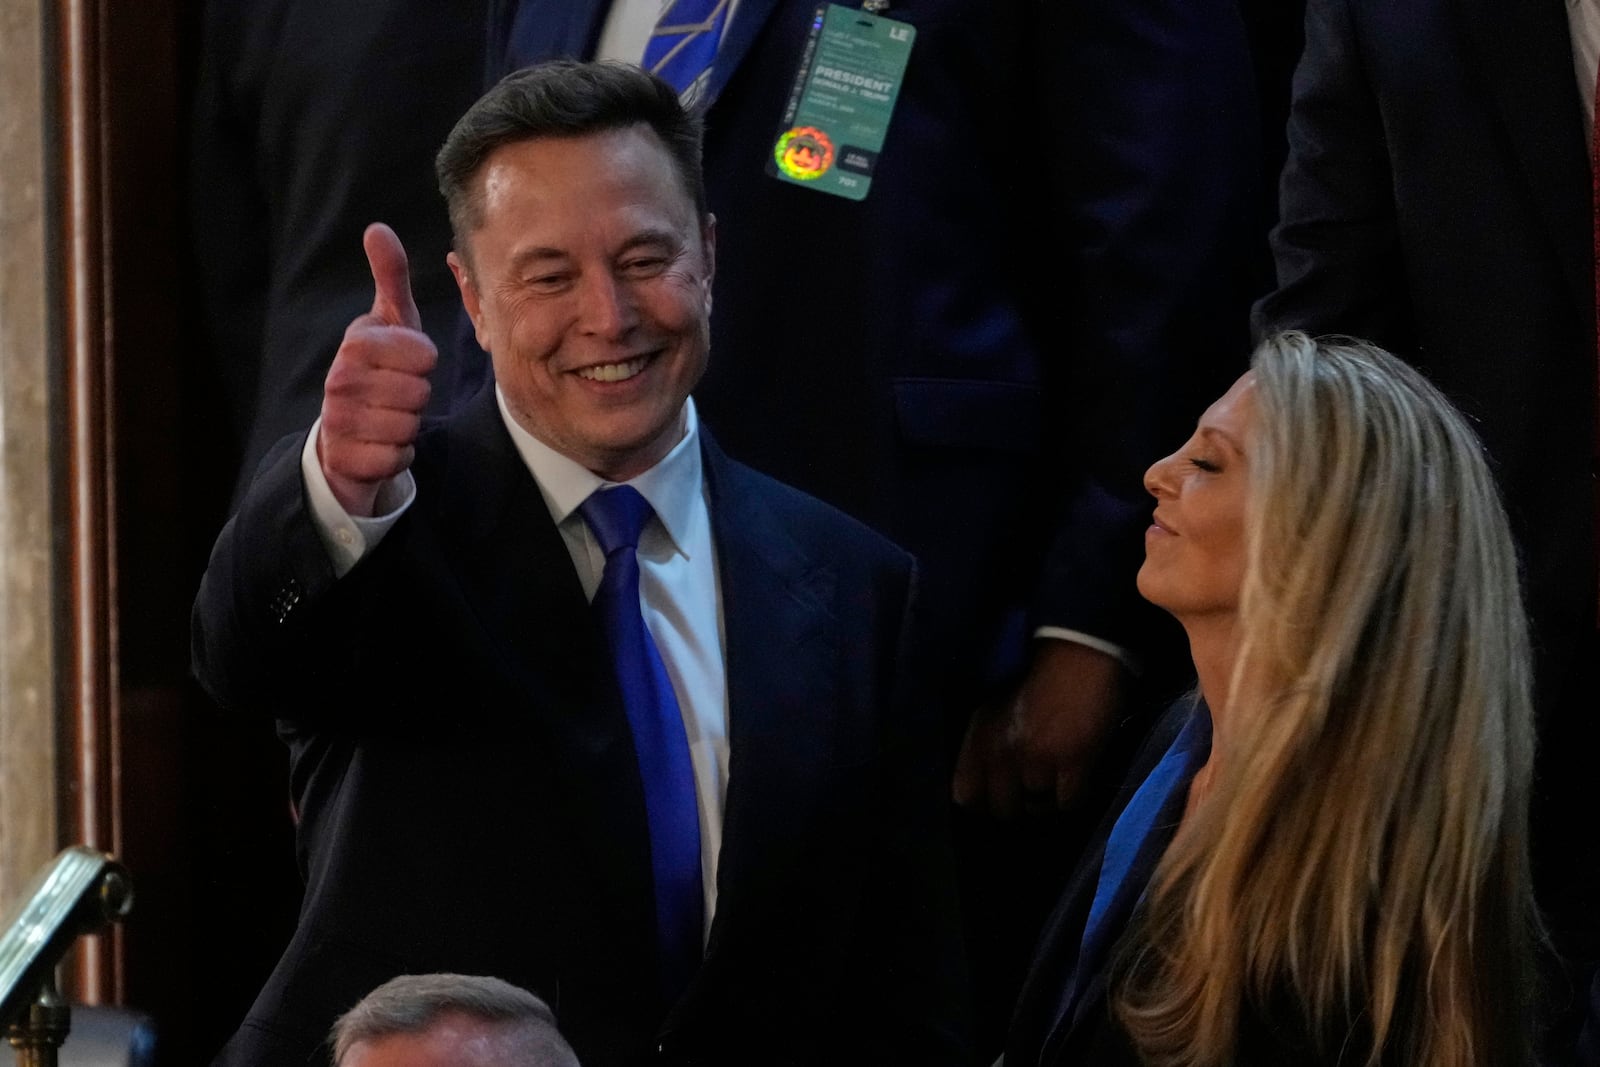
column 412, row 1003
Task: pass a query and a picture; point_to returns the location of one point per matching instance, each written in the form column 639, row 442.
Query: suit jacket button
column 286, row 599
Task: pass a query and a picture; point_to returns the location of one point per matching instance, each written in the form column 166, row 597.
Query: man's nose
column 607, row 307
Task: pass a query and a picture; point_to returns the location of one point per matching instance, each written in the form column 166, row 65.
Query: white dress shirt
column 679, row 591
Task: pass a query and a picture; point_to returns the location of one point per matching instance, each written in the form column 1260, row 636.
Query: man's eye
column 643, row 265
column 549, row 282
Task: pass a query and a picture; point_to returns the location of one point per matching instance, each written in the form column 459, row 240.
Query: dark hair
column 564, row 98
column 412, row 1003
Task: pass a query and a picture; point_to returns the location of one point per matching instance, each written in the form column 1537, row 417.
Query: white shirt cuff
column 1116, row 652
column 348, row 537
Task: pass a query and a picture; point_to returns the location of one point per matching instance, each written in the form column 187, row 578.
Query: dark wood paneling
column 89, row 723
column 194, row 804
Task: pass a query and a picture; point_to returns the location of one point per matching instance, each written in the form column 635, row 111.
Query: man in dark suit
column 1039, row 292
column 477, row 789
column 1437, row 201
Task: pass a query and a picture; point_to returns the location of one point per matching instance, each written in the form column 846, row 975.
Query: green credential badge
column 843, row 97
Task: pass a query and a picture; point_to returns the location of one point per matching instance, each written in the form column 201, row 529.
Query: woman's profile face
column 1194, row 549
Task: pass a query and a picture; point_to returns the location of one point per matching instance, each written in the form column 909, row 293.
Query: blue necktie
column 685, row 41
column 616, row 516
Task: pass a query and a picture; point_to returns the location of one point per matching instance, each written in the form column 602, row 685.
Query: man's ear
column 469, row 297
column 708, row 247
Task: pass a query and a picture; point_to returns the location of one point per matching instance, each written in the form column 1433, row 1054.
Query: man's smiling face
column 588, row 281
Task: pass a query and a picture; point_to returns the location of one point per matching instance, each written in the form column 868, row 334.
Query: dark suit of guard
column 468, row 793
column 1437, row 201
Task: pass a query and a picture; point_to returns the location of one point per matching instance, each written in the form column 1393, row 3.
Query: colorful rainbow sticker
column 804, row 153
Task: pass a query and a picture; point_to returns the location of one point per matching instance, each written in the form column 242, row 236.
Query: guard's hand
column 1037, row 751
column 376, row 390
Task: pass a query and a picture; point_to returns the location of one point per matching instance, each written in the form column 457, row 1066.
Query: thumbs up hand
column 376, row 390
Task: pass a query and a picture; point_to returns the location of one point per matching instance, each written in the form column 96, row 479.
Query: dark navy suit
column 1043, row 288
column 468, row 792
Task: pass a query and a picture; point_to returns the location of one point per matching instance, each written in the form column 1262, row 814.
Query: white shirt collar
column 672, row 486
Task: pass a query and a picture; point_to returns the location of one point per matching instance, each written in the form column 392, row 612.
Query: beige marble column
column 29, row 615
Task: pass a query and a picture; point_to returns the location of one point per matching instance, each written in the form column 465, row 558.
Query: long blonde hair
column 1362, row 853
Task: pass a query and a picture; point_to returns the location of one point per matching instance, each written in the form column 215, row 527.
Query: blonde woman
column 1322, row 860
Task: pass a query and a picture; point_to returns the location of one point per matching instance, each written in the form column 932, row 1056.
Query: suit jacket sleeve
column 1337, row 245
column 1153, row 177
column 263, row 634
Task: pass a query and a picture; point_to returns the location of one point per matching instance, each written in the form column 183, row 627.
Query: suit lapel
column 1523, row 51
column 516, row 575
column 781, row 656
column 748, row 22
column 1055, row 960
column 1041, row 1030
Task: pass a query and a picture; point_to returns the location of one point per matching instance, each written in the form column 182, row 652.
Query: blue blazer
column 467, row 789
column 1039, row 294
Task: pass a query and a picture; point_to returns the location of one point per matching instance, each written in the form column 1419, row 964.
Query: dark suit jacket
column 309, row 121
column 468, row 793
column 1437, row 201
column 1036, row 299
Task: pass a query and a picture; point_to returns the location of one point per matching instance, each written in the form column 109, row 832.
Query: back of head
column 1363, row 852
column 411, row 1005
column 564, row 98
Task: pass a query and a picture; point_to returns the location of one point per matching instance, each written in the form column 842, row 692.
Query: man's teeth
column 614, row 372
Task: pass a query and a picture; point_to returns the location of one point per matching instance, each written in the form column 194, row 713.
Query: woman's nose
column 1159, row 479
